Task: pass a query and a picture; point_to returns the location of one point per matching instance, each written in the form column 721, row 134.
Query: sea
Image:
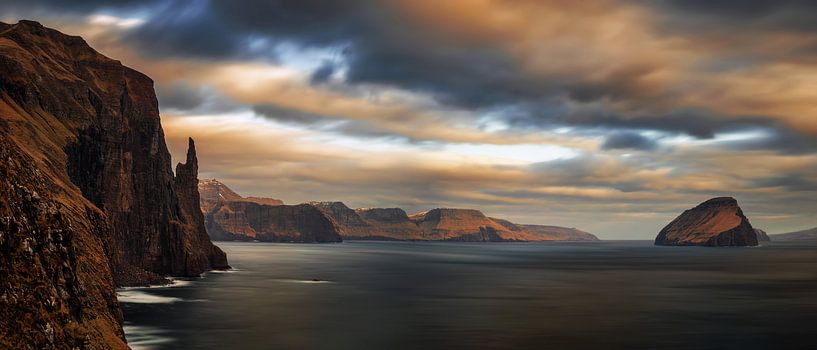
column 445, row 295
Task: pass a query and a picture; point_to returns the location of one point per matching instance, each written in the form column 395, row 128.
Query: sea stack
column 715, row 223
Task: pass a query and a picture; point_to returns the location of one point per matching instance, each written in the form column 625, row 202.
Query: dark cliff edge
column 715, row 223
column 88, row 198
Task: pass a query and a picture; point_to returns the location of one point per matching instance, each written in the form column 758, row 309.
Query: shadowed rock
column 762, row 236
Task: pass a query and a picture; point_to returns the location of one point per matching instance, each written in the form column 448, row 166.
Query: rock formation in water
column 230, row 217
column 716, row 222
column 88, row 198
column 762, row 236
column 804, row 235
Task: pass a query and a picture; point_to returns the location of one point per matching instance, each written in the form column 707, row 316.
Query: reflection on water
column 405, row 295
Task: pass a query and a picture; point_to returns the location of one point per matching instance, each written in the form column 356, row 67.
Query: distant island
column 229, row 216
column 717, row 222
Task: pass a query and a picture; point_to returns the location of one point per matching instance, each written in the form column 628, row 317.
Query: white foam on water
column 144, row 337
column 305, row 281
column 140, row 297
column 174, row 283
column 232, row 270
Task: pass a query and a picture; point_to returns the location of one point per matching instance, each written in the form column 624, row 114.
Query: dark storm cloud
column 74, row 6
column 323, row 73
column 791, row 182
column 289, row 115
column 693, row 122
column 629, row 140
column 788, row 15
column 181, row 96
column 386, row 47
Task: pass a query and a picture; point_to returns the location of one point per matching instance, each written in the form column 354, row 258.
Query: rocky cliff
column 386, row 224
column 213, row 192
column 89, row 199
column 228, row 219
column 231, row 217
column 557, row 233
column 716, row 222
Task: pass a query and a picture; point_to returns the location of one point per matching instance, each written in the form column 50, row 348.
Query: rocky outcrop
column 762, row 236
column 89, row 199
column 804, row 235
column 716, row 222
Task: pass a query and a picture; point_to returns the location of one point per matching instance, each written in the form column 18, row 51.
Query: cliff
column 213, row 192
column 762, row 236
column 716, row 222
column 804, row 235
column 231, row 217
column 557, row 233
column 89, row 198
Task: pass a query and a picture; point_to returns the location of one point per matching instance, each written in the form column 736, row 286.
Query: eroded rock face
column 89, row 196
column 762, row 236
column 716, row 222
column 243, row 220
column 230, row 217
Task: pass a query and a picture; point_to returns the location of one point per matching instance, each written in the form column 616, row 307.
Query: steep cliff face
column 56, row 286
column 242, row 220
column 716, row 222
column 348, row 220
column 91, row 196
column 387, row 224
column 458, row 224
column 230, row 217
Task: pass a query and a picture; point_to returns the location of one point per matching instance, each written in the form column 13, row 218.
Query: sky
column 610, row 116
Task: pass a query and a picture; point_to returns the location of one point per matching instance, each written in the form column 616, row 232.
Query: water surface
column 405, row 295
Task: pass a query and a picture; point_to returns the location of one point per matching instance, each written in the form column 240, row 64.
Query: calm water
column 389, row 295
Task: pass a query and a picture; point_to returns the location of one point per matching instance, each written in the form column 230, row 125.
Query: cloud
column 323, row 73
column 629, row 140
column 374, row 94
